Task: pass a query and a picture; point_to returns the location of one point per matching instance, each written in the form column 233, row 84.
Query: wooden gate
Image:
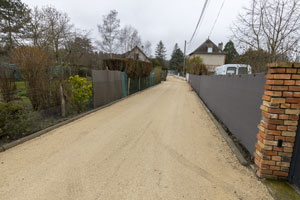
column 294, row 175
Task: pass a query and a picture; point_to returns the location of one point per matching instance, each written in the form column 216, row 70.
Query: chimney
column 221, row 46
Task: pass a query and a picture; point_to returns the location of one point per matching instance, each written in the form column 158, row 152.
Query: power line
column 216, row 19
column 200, row 19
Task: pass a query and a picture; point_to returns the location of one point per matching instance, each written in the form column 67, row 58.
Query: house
column 137, row 54
column 211, row 54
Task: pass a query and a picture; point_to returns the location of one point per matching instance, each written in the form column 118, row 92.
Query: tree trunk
column 63, row 103
column 128, row 87
column 139, row 83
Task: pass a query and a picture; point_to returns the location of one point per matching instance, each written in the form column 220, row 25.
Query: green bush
column 81, row 91
column 13, row 120
column 195, row 66
column 157, row 74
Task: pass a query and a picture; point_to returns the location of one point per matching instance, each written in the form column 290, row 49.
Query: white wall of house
column 211, row 60
column 141, row 56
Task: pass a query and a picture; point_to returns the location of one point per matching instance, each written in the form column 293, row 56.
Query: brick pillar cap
column 284, row 64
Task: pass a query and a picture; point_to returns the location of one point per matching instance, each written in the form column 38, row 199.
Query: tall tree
column 14, row 17
column 79, row 49
column 270, row 25
column 231, row 53
column 129, row 38
column 177, row 59
column 109, row 31
column 49, row 29
column 160, row 53
column 147, row 48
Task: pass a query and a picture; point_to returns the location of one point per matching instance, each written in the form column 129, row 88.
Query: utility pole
column 184, row 60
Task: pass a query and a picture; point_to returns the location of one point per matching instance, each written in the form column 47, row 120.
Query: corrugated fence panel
column 107, row 86
column 235, row 100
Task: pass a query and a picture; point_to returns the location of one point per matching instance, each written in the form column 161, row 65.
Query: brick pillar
column 280, row 114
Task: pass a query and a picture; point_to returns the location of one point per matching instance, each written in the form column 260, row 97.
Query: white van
column 233, row 69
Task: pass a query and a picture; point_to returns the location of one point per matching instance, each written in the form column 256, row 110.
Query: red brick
column 288, row 149
column 277, row 168
column 267, row 171
column 271, row 104
column 289, row 82
column 266, row 136
column 283, row 117
column 276, row 71
column 272, row 132
column 285, row 105
column 276, row 158
column 268, row 87
column 273, row 93
column 288, row 144
column 280, row 88
column 258, row 147
column 288, row 133
column 294, row 88
column 279, row 149
column 268, row 125
column 282, row 76
column 287, row 94
column 293, row 100
column 274, row 82
column 296, row 106
column 281, row 128
column 292, row 128
column 269, row 76
column 292, row 112
column 290, row 122
column 290, row 139
column 266, row 98
column 297, row 83
column 269, row 115
column 283, row 164
column 295, row 76
column 294, row 117
column 268, row 162
column 291, row 71
column 296, row 94
column 280, row 173
column 271, row 153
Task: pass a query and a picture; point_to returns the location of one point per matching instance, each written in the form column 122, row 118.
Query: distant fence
column 235, row 100
column 109, row 86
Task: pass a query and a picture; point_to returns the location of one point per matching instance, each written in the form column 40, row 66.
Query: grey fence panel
column 235, row 100
column 107, row 86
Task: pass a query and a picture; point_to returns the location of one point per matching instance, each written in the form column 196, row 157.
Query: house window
column 136, row 56
column 209, row 50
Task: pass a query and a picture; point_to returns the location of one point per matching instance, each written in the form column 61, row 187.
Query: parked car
column 233, row 69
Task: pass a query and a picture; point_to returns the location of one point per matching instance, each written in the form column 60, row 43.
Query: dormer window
column 136, row 56
column 209, row 50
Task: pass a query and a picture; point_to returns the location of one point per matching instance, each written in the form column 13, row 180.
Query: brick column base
column 278, row 126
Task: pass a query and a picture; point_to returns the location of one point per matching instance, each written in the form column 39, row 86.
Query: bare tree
column 79, row 49
column 129, row 38
column 147, row 48
column 37, row 28
column 109, row 31
column 270, row 25
column 58, row 29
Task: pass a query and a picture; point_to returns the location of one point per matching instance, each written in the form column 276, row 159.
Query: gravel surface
column 159, row 144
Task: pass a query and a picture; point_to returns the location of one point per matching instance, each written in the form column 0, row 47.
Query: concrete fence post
column 280, row 114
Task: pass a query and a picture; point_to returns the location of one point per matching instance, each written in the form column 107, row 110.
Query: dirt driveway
column 159, row 144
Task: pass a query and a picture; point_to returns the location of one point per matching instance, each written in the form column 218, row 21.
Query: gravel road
column 159, row 144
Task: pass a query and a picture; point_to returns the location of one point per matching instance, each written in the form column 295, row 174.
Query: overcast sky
column 171, row 21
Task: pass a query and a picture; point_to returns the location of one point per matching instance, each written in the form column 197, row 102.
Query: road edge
column 12, row 144
column 227, row 138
